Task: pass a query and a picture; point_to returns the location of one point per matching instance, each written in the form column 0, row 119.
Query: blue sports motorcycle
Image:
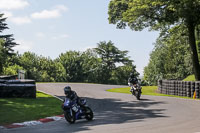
column 73, row 111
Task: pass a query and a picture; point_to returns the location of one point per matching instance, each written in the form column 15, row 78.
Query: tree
column 7, row 44
column 73, row 64
column 12, row 70
column 121, row 74
column 91, row 66
column 159, row 14
column 50, row 70
column 110, row 55
column 30, row 62
column 2, row 55
column 169, row 58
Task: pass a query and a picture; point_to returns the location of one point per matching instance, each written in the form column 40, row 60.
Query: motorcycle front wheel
column 88, row 114
column 138, row 94
column 70, row 118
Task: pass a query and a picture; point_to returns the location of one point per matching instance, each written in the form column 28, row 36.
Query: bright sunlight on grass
column 26, row 109
column 146, row 90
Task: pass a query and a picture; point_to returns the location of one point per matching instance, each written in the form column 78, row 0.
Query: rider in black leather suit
column 72, row 95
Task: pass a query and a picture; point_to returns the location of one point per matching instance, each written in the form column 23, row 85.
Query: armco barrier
column 179, row 88
column 17, row 88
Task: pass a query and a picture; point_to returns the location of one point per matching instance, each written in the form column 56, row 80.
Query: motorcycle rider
column 133, row 80
column 72, row 95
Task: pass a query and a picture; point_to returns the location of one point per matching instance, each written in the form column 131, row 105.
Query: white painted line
column 55, row 118
column 28, row 123
column 1, row 127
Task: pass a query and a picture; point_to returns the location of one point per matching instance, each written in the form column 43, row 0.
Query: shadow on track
column 115, row 111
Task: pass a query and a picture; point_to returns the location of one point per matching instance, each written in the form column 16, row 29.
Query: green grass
column 146, row 90
column 14, row 110
column 190, row 78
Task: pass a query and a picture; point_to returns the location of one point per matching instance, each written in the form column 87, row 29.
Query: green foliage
column 2, row 55
column 139, row 14
column 12, row 70
column 6, row 44
column 146, row 90
column 189, row 78
column 121, row 74
column 37, row 67
column 159, row 15
column 97, row 65
column 75, row 66
column 91, row 66
column 29, row 61
column 110, row 55
column 72, row 62
column 170, row 58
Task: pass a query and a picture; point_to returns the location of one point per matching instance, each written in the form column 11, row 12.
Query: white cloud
column 88, row 47
column 20, row 20
column 7, row 14
column 40, row 35
column 47, row 14
column 61, row 8
column 16, row 20
column 13, row 4
column 23, row 46
column 63, row 36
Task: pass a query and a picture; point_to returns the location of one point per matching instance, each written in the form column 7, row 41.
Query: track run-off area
column 121, row 113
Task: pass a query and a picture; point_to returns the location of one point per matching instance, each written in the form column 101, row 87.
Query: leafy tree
column 11, row 65
column 110, row 55
column 159, row 14
column 121, row 74
column 155, row 69
column 2, row 55
column 12, row 70
column 73, row 64
column 6, row 43
column 40, row 68
column 50, row 70
column 177, row 64
column 91, row 66
column 58, row 71
column 30, row 61
column 169, row 58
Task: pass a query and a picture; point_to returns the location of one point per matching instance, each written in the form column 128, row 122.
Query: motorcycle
column 73, row 111
column 136, row 90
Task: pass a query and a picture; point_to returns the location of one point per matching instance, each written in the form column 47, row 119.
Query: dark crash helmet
column 67, row 90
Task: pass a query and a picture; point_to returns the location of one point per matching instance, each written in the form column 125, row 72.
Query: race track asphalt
column 121, row 113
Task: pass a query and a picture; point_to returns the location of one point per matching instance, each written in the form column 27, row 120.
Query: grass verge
column 146, row 90
column 14, row 110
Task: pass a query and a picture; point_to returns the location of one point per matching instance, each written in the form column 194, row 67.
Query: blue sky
column 52, row 27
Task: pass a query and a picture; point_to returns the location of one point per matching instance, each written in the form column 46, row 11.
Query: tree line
column 98, row 65
column 175, row 54
column 71, row 66
column 104, row 64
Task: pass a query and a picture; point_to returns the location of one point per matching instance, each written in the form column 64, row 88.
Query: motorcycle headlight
column 66, row 103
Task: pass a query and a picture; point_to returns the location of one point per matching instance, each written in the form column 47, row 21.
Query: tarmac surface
column 121, row 113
